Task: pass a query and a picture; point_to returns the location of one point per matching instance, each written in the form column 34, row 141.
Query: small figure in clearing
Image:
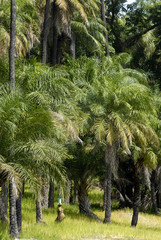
column 61, row 215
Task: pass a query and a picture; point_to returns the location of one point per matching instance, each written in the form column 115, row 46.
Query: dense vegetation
column 79, row 105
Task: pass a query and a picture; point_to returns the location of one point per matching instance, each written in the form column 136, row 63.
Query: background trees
column 85, row 112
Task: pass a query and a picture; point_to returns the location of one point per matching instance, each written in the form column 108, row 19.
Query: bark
column 84, row 206
column 60, row 42
column 75, row 192
column 4, row 203
column 72, row 45
column 104, row 197
column 68, row 191
column 51, row 195
column 153, row 192
column 45, row 194
column 109, row 158
column 19, row 213
column 12, row 43
column 104, row 21
column 137, row 200
column 45, row 32
column 159, row 190
column 55, row 35
column 12, row 208
column 39, row 216
column 23, row 189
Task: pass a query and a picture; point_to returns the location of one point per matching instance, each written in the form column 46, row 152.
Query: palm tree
column 103, row 17
column 120, row 104
column 93, row 34
column 26, row 125
column 45, row 32
column 82, row 169
column 12, row 43
column 4, row 202
column 62, row 12
column 27, row 30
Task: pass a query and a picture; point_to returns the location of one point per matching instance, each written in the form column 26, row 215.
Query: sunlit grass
column 77, row 227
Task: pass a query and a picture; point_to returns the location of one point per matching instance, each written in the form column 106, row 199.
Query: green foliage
column 27, row 26
column 57, row 121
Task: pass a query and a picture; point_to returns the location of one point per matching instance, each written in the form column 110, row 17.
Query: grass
column 77, row 227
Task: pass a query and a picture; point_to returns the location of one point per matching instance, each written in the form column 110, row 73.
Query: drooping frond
column 100, row 129
column 121, row 131
column 7, row 172
column 150, row 159
column 66, row 6
column 138, row 135
column 150, row 134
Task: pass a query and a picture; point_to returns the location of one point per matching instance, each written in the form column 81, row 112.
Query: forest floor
column 79, row 227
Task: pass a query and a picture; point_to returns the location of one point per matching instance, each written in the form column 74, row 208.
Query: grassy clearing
column 77, row 227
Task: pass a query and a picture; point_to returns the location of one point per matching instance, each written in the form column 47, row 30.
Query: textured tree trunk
column 4, row 203
column 84, row 206
column 19, row 213
column 103, row 17
column 12, row 208
column 72, row 45
column 60, row 42
column 23, row 189
column 51, row 195
column 159, row 189
column 137, row 200
column 55, row 35
column 109, row 158
column 45, row 32
column 45, row 194
column 104, row 198
column 39, row 216
column 153, row 192
column 68, row 191
column 12, row 43
column 75, row 192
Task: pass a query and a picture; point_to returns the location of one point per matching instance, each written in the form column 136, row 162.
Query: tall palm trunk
column 84, row 206
column 72, row 45
column 137, row 199
column 159, row 188
column 153, row 192
column 109, row 158
column 103, row 17
column 68, row 191
column 39, row 216
column 12, row 208
column 45, row 32
column 12, row 43
column 55, row 35
column 51, row 195
column 75, row 192
column 4, row 202
column 45, row 194
column 19, row 213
